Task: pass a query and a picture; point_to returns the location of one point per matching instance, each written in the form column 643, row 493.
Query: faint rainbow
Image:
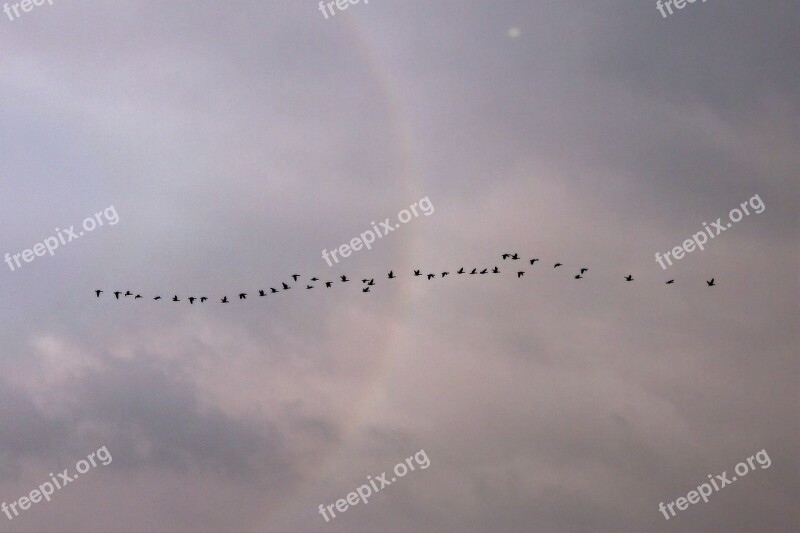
column 400, row 133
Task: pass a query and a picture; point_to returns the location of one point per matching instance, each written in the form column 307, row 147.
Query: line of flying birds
column 367, row 283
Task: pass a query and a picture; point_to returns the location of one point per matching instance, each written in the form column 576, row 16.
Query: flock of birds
column 367, row 283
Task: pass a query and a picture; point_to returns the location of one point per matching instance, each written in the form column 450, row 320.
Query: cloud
column 238, row 140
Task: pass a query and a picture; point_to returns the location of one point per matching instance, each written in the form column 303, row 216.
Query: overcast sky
column 236, row 140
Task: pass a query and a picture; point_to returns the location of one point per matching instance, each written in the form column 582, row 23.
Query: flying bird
column 365, row 289
column 445, row 273
column 371, row 282
column 272, row 290
column 203, row 299
column 117, row 293
column 315, row 278
column 578, row 276
column 137, row 296
column 344, row 278
column 364, row 280
column 484, row 271
column 98, row 291
column 515, row 257
column 583, row 270
column 128, row 293
column 460, row 270
column 670, row 282
column 506, row 256
column 224, row 299
column 391, row 274
column 175, row 298
column 191, row 300
column 474, row 271
column 495, row 270
column 157, row 298
column 328, row 284
column 557, row 265
column 295, row 276
column 286, row 287
column 243, row 296
column 261, row 292
column 710, row 283
column 520, row 274
column 533, row 261
column 309, row 287
column 416, row 273
column 431, row 276
column 628, row 278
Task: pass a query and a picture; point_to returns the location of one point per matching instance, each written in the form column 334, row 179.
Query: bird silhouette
column 224, row 299
column 416, row 273
column 242, row 295
column 484, row 271
column 515, row 257
column 309, row 287
column 203, row 299
column 505, row 256
column 98, row 292
column 315, row 278
column 344, row 279
column 557, row 265
column 157, row 298
column 137, row 296
column 191, row 300
column 328, row 284
column 371, row 282
column 272, row 290
column 628, row 278
column 495, row 270
column 460, row 270
column 583, row 270
column 520, row 274
column 175, row 298
column 710, row 283
column 117, row 293
column 474, row 271
column 391, row 274
column 295, row 276
column 578, row 276
column 430, row 276
column 364, row 280
column 365, row 289
column 445, row 273
column 286, row 287
column 128, row 293
column 261, row 292
column 533, row 261
column 670, row 282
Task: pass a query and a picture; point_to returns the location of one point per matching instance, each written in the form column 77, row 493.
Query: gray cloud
column 238, row 140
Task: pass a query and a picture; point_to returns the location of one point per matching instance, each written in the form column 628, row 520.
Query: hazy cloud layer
column 237, row 140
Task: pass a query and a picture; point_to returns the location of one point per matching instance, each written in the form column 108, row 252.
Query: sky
column 235, row 141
